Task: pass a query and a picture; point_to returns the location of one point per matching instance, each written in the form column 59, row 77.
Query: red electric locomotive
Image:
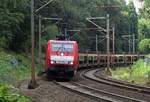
column 61, row 59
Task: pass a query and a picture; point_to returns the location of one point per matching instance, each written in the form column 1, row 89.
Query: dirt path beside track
column 50, row 92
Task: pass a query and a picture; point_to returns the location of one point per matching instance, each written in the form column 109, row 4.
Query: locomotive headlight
column 71, row 62
column 52, row 62
column 62, row 54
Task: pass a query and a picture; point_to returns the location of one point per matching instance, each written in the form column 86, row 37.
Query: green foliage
column 145, row 10
column 144, row 45
column 140, row 69
column 144, row 21
column 148, row 56
column 138, row 73
column 10, row 73
column 3, row 42
column 121, row 73
column 133, row 19
column 143, row 28
column 148, row 76
column 51, row 32
column 11, row 19
column 7, row 96
column 15, row 21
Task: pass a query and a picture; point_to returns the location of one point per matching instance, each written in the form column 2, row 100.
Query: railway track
column 95, row 94
column 92, row 76
column 84, row 88
column 143, row 89
column 133, row 92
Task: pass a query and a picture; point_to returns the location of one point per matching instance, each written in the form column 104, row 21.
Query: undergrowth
column 6, row 95
column 139, row 73
column 13, row 67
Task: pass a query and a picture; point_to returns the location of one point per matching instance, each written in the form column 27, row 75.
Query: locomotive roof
column 62, row 41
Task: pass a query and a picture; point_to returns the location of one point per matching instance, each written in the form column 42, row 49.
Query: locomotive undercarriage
column 65, row 72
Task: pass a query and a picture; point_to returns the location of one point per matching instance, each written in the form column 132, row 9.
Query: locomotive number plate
column 62, row 62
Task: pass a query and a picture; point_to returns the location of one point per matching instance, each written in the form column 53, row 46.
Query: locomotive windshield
column 63, row 47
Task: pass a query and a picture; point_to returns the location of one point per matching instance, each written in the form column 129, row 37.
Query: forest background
column 15, row 23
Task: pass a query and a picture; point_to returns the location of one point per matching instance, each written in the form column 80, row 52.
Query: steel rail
column 109, row 94
column 95, row 93
column 100, row 79
column 85, row 92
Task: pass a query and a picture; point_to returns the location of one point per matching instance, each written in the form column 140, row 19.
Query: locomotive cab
column 61, row 58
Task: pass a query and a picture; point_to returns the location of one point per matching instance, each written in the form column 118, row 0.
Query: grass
column 148, row 56
column 139, row 73
column 11, row 73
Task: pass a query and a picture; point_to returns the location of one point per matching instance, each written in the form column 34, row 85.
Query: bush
column 138, row 73
column 149, row 76
column 7, row 96
column 144, row 45
column 3, row 42
column 140, row 69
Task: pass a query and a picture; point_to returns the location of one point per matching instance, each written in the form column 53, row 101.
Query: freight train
column 63, row 59
column 89, row 59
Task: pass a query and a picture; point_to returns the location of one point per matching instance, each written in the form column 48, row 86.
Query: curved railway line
column 99, row 88
column 138, row 88
column 92, row 76
column 88, row 84
column 96, row 94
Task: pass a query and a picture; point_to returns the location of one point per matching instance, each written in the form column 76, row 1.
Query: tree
column 133, row 19
column 12, row 16
column 144, row 45
column 144, row 26
column 15, row 21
